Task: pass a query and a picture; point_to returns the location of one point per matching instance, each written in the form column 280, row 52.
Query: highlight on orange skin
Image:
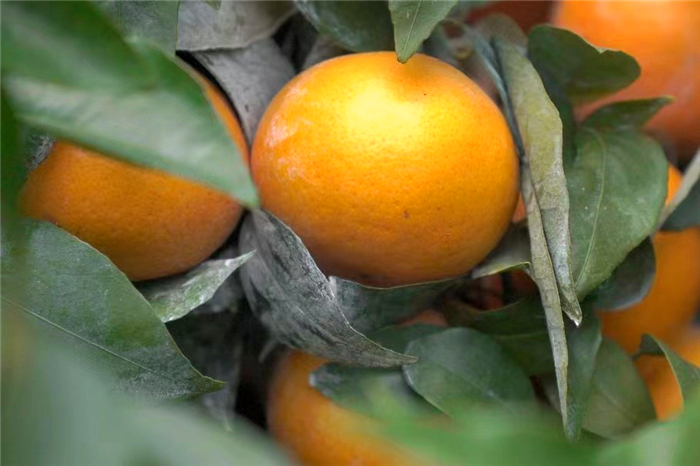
column 659, row 377
column 674, row 296
column 148, row 222
column 390, row 173
column 663, row 36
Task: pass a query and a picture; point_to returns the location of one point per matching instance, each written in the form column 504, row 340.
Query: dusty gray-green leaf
column 368, row 308
column 353, row 387
column 152, row 20
column 617, row 187
column 85, row 84
column 627, row 114
column 85, row 301
column 413, row 22
column 294, row 300
column 251, row 77
column 684, row 209
column 512, row 253
column 540, row 130
column 173, row 297
column 619, row 401
column 37, row 145
column 323, row 48
column 461, row 367
column 629, row 283
column 359, row 26
column 521, row 328
column 687, row 374
column 586, row 72
column 233, row 25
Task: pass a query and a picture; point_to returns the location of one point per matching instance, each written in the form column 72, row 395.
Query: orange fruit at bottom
column 148, row 222
column 663, row 36
column 390, row 173
column 674, row 296
column 659, row 378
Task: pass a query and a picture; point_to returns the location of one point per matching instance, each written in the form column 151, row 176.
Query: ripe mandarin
column 148, row 222
column 390, row 173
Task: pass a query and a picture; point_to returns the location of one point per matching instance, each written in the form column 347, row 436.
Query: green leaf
column 684, row 209
column 520, row 328
column 619, row 401
column 54, row 400
column 461, row 367
column 512, row 253
column 295, row 302
column 13, row 165
column 368, row 308
column 68, row 72
column 359, row 26
column 629, row 283
column 585, row 72
column 541, row 132
column 152, row 20
column 669, row 443
column 173, row 297
column 687, row 374
column 617, row 187
column 627, row 114
column 413, row 21
column 353, row 387
column 583, row 343
column 228, row 25
column 77, row 293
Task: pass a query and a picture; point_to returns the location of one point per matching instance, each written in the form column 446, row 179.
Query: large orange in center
column 389, row 173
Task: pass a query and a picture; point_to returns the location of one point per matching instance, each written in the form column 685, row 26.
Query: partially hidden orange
column 663, row 36
column 390, row 173
column 148, row 222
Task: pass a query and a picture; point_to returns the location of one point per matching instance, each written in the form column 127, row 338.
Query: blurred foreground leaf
column 68, row 72
column 82, row 299
column 152, row 20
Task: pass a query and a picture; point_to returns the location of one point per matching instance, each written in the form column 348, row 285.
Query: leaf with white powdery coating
column 413, row 21
column 294, row 300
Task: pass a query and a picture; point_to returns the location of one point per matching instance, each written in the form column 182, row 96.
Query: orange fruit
column 319, row 432
column 390, row 173
column 526, row 14
column 148, row 222
column 658, row 375
column 663, row 36
column 674, row 296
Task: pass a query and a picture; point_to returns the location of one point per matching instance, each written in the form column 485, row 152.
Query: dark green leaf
column 619, row 401
column 513, row 252
column 69, row 73
column 629, row 283
column 13, row 164
column 368, row 308
column 586, row 72
column 152, row 20
column 231, row 25
column 584, row 343
column 684, row 209
column 521, row 328
column 294, row 300
column 687, row 374
column 617, row 186
column 173, row 297
column 413, row 21
column 77, row 293
column 461, row 367
column 628, row 114
column 251, row 77
column 353, row 387
column 359, row 26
